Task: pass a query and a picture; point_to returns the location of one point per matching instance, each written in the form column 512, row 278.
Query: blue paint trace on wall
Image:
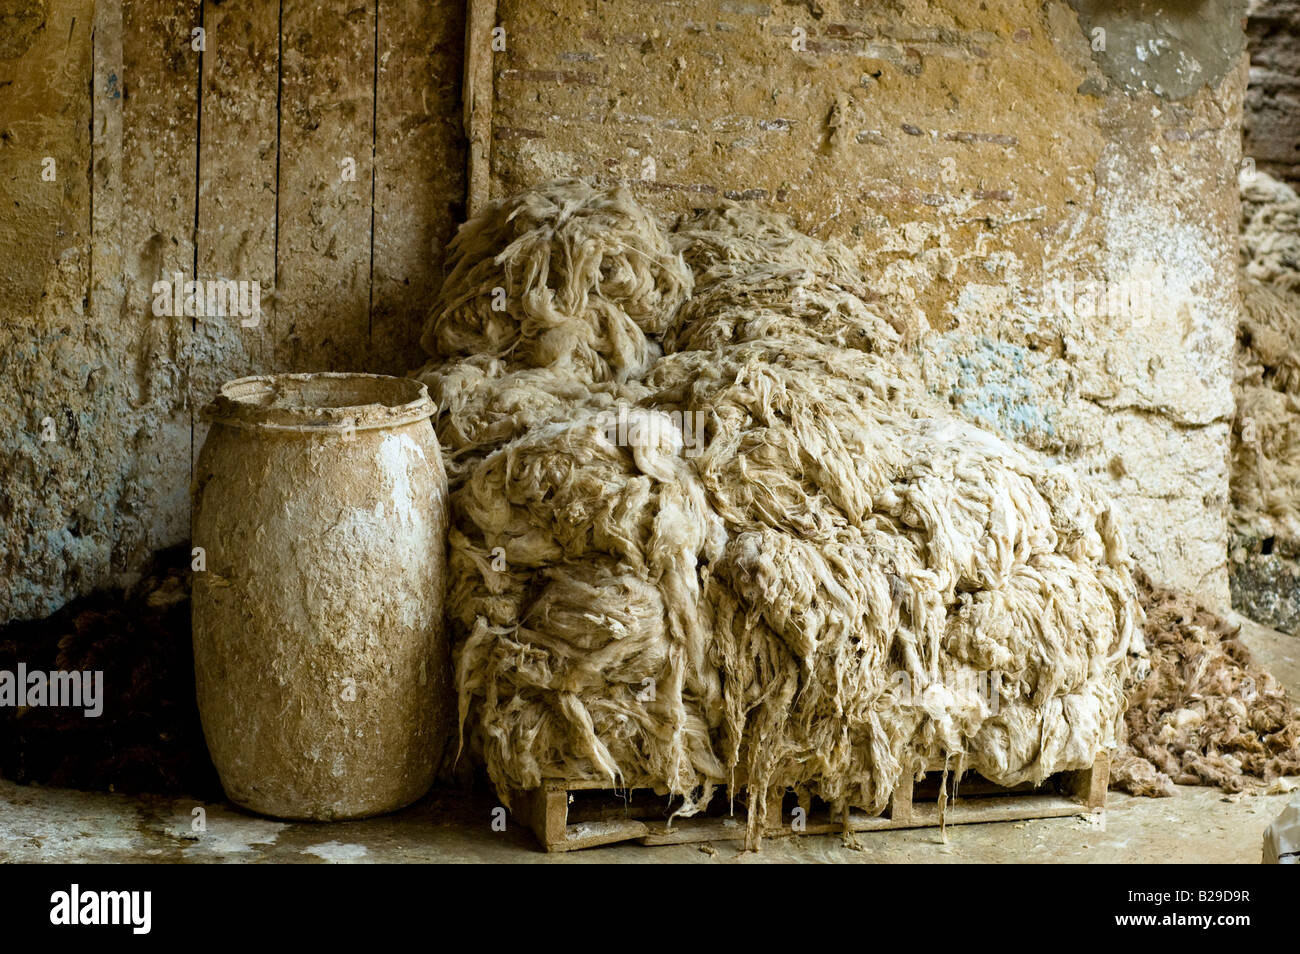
column 991, row 383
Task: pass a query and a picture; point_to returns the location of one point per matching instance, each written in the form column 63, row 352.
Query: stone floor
column 1199, row 825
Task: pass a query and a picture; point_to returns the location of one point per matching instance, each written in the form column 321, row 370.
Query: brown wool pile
column 148, row 738
column 1204, row 714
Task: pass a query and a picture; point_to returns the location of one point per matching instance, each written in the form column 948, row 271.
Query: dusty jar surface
column 320, row 503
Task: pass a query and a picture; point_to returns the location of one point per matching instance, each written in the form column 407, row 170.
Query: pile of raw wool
column 148, row 738
column 706, row 531
column 1270, row 231
column 1205, row 714
column 1266, row 432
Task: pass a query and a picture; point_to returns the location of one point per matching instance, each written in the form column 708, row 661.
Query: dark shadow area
column 148, row 738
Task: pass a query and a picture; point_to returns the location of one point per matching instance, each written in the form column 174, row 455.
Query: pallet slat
column 546, row 811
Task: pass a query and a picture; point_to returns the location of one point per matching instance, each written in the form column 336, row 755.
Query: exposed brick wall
column 884, row 111
column 1272, row 122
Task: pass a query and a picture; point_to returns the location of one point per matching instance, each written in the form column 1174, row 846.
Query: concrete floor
column 1199, row 825
column 48, row 825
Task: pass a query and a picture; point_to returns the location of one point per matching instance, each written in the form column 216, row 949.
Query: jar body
column 320, row 663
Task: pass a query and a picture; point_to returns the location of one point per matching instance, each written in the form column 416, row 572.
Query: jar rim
column 320, row 402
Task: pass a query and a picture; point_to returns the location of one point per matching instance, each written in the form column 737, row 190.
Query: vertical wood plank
column 108, row 312
column 900, row 800
column 479, row 79
column 159, row 82
column 145, row 97
column 1089, row 785
column 44, row 113
column 235, row 238
column 55, row 534
column 550, row 813
column 326, row 135
column 419, row 170
column 107, row 280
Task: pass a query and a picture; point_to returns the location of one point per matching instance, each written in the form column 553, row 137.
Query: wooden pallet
column 569, row 815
